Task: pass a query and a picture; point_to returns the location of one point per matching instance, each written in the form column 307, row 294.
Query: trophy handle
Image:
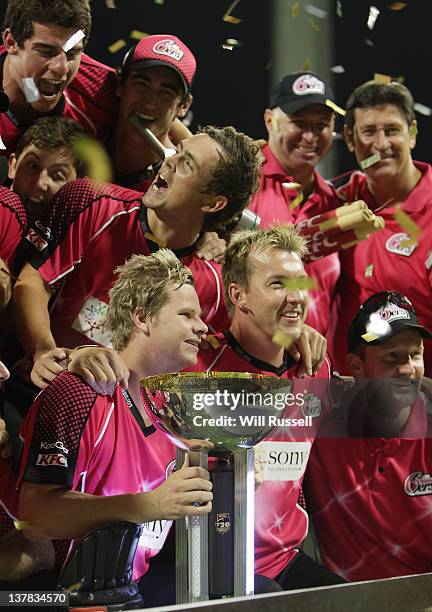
column 192, row 544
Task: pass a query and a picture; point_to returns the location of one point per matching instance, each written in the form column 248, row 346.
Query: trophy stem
column 192, row 545
column 244, row 494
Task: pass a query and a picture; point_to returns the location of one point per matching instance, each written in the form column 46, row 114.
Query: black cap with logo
column 300, row 89
column 382, row 316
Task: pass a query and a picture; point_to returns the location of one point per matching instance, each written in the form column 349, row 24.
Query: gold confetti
column 213, row 341
column 230, row 18
column 305, row 282
column 382, row 78
column 76, row 586
column 314, row 24
column 275, row 123
column 370, row 337
column 307, row 64
column 370, row 161
column 21, row 525
column 298, row 200
column 92, row 153
column 411, row 228
column 413, row 131
column 282, row 339
column 369, row 271
column 335, row 107
column 116, row 46
column 137, row 34
column 397, row 6
column 295, row 10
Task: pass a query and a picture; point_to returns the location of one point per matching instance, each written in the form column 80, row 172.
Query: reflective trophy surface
column 217, row 418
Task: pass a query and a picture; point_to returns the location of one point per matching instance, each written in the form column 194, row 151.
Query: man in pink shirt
column 97, row 459
column 300, row 123
column 368, row 484
column 380, row 125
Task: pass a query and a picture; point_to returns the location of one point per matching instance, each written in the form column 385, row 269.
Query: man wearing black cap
column 368, row 485
column 300, row 122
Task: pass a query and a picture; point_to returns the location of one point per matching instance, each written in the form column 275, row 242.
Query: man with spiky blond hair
column 263, row 275
column 78, row 442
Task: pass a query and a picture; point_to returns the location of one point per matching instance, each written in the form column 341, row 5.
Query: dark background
column 232, row 87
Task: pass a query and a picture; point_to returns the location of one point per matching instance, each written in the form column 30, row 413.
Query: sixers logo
column 418, row 483
column 170, row 48
column 308, row 84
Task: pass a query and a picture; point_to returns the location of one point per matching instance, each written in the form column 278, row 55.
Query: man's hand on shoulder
column 101, row 368
column 310, row 348
column 48, row 365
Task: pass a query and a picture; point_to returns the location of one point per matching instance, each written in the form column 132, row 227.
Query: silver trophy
column 217, row 418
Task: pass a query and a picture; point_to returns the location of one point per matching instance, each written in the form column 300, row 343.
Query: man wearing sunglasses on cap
column 369, row 487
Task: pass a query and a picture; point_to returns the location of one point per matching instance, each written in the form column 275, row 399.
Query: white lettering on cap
column 170, row 48
column 308, row 84
column 392, row 312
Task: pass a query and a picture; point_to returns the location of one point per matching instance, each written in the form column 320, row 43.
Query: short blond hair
column 143, row 286
column 236, row 267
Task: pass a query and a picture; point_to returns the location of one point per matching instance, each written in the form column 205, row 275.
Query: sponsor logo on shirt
column 311, row 406
column 308, row 84
column 418, row 483
column 170, row 48
column 393, row 245
column 223, row 523
column 393, row 313
column 52, row 459
column 37, row 241
column 154, row 534
column 51, row 445
column 282, row 460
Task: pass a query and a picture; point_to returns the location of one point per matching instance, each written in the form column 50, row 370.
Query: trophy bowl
column 220, row 411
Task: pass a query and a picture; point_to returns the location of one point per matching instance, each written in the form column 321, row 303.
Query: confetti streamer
column 95, row 157
column 315, row 11
column 298, row 200
column 282, row 339
column 369, row 337
column 369, row 271
column 116, row 46
column 422, row 109
column 314, row 24
column 300, row 284
column 370, row 161
column 230, row 18
column 230, row 44
column 411, row 228
column 31, row 92
column 295, row 10
column 339, row 12
column 291, row 185
column 337, row 69
column 382, row 78
column 21, row 525
column 213, row 341
column 137, row 35
column 335, row 107
column 73, row 40
column 373, row 16
column 76, row 586
column 397, row 6
column 2, row 144
column 413, row 131
column 307, row 64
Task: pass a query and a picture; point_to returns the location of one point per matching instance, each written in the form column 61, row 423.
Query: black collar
column 287, row 364
column 146, row 429
column 154, row 246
